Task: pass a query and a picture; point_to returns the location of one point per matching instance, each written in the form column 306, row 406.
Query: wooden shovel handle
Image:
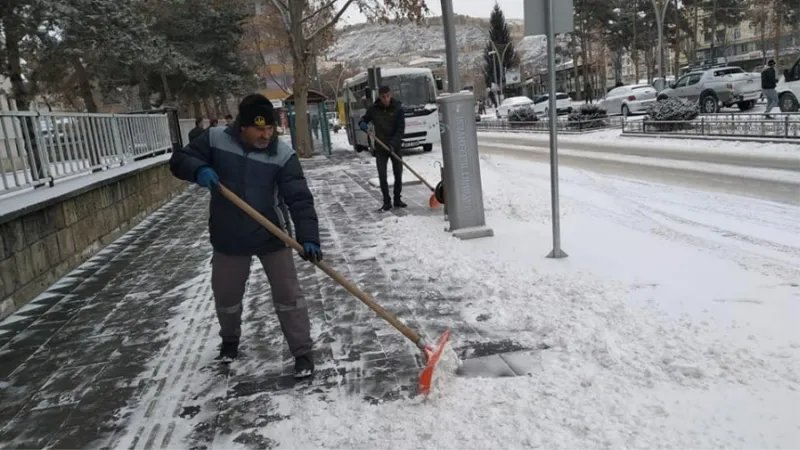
column 394, row 155
column 351, row 288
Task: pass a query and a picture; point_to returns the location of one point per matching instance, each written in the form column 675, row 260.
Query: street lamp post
column 501, row 57
column 661, row 9
column 494, row 66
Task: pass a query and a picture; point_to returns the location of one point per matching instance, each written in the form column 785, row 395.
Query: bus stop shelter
column 319, row 132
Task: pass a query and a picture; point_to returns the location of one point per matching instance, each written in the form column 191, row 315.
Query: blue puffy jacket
column 265, row 179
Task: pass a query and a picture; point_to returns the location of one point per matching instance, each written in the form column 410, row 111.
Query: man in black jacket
column 197, row 130
column 390, row 125
column 769, row 81
column 248, row 158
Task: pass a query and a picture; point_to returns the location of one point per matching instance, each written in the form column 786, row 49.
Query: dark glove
column 312, row 252
column 206, row 177
column 364, row 127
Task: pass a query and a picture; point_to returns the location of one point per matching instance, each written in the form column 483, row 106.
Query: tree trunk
column 84, row 85
column 584, row 58
column 678, row 41
column 210, row 113
column 19, row 90
column 144, row 87
column 694, row 33
column 763, row 35
column 21, row 93
column 713, row 31
column 167, row 93
column 198, row 109
column 635, row 44
column 223, row 99
column 578, row 95
column 303, row 145
column 778, row 25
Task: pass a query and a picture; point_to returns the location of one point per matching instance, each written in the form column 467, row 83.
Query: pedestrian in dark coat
column 197, row 130
column 389, row 122
column 769, row 81
column 248, row 158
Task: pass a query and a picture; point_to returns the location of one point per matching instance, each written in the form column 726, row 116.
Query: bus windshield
column 412, row 90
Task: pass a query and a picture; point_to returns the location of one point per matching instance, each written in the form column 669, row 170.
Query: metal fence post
column 117, row 139
column 786, row 126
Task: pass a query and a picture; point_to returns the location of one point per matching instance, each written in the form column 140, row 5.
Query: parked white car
column 627, row 100
column 563, row 103
column 789, row 89
column 511, row 103
column 715, row 87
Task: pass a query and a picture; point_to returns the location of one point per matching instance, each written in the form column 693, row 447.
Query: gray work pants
column 772, row 99
column 229, row 276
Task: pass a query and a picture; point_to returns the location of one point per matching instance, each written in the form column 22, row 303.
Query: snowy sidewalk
column 121, row 351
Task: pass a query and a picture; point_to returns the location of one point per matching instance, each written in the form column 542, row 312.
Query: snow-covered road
column 765, row 171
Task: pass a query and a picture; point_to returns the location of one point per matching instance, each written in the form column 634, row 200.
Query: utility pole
column 661, row 9
column 634, row 47
column 453, row 82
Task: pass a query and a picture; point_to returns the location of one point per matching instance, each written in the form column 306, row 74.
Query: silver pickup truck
column 717, row 87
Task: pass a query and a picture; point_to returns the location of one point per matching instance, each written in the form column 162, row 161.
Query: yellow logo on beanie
column 259, row 121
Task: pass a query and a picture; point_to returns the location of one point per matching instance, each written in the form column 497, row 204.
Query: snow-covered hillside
column 399, row 44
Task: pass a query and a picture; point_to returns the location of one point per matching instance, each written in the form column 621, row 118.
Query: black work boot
column 229, row 351
column 386, row 206
column 303, row 366
column 399, row 203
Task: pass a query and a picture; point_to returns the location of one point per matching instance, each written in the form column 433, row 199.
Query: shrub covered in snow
column 523, row 114
column 672, row 109
column 587, row 117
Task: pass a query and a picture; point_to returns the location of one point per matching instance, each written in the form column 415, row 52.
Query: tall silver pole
column 661, row 10
column 453, row 84
column 551, row 75
column 496, row 81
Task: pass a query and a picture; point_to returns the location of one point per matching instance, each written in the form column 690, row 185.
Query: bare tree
column 309, row 25
column 266, row 41
column 334, row 77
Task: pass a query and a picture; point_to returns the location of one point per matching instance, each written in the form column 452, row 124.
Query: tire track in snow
column 747, row 259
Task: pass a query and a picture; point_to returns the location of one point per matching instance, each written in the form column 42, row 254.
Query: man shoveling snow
column 248, row 157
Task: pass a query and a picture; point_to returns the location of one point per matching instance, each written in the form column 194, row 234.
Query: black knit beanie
column 255, row 109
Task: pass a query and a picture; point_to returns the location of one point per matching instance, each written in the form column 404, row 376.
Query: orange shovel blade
column 432, row 353
column 432, row 202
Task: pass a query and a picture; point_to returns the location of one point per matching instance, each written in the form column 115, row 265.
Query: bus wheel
column 427, row 147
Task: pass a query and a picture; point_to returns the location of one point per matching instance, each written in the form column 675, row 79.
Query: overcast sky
column 475, row 8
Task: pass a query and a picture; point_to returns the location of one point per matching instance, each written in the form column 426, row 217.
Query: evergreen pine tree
column 500, row 41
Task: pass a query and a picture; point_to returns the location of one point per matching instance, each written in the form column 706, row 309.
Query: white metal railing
column 37, row 148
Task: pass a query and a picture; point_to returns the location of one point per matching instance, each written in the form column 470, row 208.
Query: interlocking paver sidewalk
column 120, row 352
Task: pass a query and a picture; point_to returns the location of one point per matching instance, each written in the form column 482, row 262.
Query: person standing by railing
column 769, row 81
column 197, row 130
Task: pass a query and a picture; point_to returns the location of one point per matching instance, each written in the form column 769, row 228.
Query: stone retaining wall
column 40, row 246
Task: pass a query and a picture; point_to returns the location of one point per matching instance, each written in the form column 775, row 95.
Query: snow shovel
column 432, row 352
column 432, row 201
